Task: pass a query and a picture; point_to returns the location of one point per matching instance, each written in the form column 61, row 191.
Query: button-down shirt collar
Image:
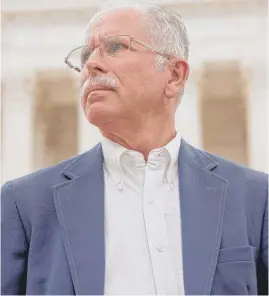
column 117, row 156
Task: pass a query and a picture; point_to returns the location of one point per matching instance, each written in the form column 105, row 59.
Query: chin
column 98, row 114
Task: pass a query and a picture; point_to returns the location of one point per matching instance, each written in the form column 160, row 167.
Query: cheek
column 139, row 82
column 135, row 79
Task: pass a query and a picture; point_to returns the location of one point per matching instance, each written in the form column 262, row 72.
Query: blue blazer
column 53, row 239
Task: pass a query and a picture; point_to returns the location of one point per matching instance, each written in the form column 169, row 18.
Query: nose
column 95, row 65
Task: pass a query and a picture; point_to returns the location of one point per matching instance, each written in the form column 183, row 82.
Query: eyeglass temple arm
column 149, row 48
column 70, row 65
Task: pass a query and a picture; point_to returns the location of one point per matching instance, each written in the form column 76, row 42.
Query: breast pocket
column 236, row 271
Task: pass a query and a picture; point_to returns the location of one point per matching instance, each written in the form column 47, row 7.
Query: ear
column 179, row 73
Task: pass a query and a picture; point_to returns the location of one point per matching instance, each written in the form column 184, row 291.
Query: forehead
column 114, row 22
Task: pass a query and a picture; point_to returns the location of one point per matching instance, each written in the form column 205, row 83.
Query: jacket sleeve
column 14, row 246
column 262, row 266
column 265, row 237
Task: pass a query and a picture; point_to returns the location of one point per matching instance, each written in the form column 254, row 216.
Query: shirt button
column 151, row 202
column 160, row 249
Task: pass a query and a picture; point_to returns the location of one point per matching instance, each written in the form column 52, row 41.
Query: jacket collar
column 79, row 203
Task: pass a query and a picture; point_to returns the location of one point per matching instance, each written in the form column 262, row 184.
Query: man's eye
column 115, row 47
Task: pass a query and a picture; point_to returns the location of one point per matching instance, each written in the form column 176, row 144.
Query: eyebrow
column 90, row 40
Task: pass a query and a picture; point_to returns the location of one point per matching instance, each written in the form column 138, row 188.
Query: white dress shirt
column 142, row 221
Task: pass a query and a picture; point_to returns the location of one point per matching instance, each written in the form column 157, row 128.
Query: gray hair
column 166, row 28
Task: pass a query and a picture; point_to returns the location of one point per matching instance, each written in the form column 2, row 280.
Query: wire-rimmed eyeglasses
column 112, row 46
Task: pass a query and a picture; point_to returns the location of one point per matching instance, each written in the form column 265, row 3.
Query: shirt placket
column 155, row 224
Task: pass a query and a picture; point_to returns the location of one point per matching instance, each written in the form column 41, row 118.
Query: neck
column 144, row 139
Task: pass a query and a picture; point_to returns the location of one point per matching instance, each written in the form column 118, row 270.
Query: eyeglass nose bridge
column 101, row 50
column 93, row 63
column 100, row 46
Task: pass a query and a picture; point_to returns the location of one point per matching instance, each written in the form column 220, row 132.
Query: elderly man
column 143, row 212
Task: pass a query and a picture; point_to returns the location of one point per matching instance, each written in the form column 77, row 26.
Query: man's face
column 138, row 98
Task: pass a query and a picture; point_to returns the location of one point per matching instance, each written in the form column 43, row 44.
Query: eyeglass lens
column 112, row 46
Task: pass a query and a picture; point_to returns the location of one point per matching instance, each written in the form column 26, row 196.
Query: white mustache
column 102, row 80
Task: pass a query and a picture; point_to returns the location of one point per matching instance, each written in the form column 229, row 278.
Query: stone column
column 17, row 101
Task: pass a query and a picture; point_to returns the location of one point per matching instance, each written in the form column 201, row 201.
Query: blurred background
column 224, row 109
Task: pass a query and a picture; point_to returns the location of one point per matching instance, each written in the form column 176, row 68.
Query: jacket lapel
column 81, row 216
column 79, row 204
column 202, row 203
